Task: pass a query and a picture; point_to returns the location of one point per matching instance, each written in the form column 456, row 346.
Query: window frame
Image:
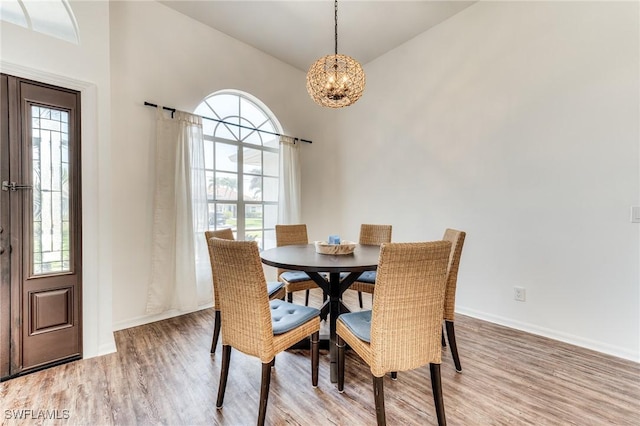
column 223, row 124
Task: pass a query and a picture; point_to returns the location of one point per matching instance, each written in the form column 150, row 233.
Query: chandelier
column 335, row 81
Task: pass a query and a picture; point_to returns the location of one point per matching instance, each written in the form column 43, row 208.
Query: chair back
column 288, row 235
column 407, row 306
column 374, row 235
column 457, row 241
column 244, row 303
column 225, row 234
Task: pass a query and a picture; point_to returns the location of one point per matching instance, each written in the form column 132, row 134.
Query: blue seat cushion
column 274, row 286
column 295, row 276
column 286, row 316
column 368, row 277
column 359, row 323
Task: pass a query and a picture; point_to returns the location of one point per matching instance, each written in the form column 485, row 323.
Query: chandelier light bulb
column 335, row 81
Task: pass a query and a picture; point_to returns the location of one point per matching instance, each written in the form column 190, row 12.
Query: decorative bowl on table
column 345, row 247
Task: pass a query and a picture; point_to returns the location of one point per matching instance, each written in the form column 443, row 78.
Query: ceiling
column 299, row 32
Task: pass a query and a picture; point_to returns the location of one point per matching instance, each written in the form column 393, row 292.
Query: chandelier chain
column 335, row 10
column 335, row 81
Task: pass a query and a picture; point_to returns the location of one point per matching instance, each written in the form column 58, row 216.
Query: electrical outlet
column 519, row 294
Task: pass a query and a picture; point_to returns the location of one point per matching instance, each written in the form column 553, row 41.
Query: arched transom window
column 51, row 17
column 242, row 165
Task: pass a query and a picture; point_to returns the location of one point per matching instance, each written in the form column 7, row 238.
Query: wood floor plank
column 163, row 374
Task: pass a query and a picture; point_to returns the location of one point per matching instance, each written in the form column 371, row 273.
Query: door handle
column 6, row 186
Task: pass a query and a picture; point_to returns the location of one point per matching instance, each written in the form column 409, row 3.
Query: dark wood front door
column 40, row 226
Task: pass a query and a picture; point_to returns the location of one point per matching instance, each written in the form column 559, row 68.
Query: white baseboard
column 507, row 322
column 553, row 334
column 146, row 319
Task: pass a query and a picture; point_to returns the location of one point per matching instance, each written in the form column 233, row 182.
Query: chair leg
column 394, row 375
column 444, row 343
column 315, row 358
column 224, row 373
column 290, row 297
column 340, row 346
column 306, row 298
column 360, row 299
column 436, row 385
column 451, row 336
column 264, row 392
column 378, row 395
column 216, row 331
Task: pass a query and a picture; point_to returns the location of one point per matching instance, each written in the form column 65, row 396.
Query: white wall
column 83, row 67
column 517, row 122
column 163, row 57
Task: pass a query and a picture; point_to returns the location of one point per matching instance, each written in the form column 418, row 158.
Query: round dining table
column 343, row 271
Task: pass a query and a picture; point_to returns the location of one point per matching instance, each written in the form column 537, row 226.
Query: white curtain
column 290, row 178
column 180, row 268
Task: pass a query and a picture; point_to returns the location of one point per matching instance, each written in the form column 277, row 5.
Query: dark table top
column 305, row 258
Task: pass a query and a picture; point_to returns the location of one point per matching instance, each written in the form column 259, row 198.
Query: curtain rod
column 226, row 122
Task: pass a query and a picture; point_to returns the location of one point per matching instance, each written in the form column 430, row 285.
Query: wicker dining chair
column 457, row 241
column 370, row 235
column 402, row 331
column 287, row 235
column 250, row 322
column 274, row 289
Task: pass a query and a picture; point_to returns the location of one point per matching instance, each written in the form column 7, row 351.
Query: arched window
column 53, row 18
column 242, row 165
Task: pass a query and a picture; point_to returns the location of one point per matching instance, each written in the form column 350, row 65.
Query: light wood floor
column 163, row 374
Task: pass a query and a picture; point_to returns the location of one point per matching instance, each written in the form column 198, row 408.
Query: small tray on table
column 345, row 247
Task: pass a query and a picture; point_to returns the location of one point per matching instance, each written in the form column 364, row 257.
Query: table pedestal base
column 332, row 308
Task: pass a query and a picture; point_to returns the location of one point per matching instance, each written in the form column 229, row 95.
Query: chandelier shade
column 335, row 81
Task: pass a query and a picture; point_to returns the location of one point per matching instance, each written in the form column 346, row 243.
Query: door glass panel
column 50, row 153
